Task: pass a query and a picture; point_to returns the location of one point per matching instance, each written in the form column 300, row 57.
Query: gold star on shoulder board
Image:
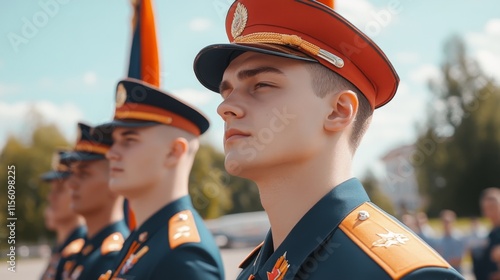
column 390, row 238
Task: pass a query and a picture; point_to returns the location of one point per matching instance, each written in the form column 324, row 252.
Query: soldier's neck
column 102, row 218
column 288, row 192
column 64, row 230
column 146, row 203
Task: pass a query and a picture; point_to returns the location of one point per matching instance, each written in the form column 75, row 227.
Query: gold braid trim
column 290, row 40
column 280, row 39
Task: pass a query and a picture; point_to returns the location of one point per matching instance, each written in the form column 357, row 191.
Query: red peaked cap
column 305, row 30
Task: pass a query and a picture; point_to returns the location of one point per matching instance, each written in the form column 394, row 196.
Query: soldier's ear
column 178, row 147
column 343, row 109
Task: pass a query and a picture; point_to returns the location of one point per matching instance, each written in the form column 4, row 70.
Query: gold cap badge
column 239, row 20
column 121, row 95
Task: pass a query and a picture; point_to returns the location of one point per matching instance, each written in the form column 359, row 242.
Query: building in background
column 400, row 183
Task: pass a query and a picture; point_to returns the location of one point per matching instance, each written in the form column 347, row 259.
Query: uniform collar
column 161, row 217
column 97, row 240
column 79, row 232
column 314, row 227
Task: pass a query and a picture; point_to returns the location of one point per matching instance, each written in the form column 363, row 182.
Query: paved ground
column 31, row 269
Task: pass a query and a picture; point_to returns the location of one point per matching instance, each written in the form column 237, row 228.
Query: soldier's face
column 60, row 201
column 136, row 160
column 271, row 113
column 89, row 186
column 48, row 217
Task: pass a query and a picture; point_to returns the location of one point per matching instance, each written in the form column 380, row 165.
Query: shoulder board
column 182, row 229
column 112, row 243
column 74, row 247
column 393, row 247
column 251, row 256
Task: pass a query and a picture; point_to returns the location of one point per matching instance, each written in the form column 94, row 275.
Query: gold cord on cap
column 291, row 40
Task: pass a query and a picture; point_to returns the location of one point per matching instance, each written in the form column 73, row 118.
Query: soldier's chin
column 115, row 185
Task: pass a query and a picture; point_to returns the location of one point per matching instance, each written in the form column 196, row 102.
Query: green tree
column 462, row 137
column 209, row 193
column 30, row 158
column 214, row 192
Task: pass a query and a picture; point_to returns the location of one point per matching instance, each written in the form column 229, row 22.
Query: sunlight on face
column 89, row 185
column 136, row 159
column 266, row 109
column 60, row 201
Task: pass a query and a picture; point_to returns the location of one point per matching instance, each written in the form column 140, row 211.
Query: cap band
column 61, row 168
column 136, row 111
column 91, row 147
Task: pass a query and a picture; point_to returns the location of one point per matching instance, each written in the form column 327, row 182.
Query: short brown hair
column 325, row 81
column 490, row 194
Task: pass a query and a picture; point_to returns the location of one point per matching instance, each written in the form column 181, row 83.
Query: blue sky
column 64, row 58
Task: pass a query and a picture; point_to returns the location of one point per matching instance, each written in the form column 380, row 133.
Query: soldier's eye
column 260, row 85
column 129, row 140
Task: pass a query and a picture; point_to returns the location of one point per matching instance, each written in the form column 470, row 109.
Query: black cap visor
column 80, row 156
column 212, row 61
column 54, row 175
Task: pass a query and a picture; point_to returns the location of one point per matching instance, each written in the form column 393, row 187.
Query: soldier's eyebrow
column 79, row 167
column 129, row 132
column 248, row 73
column 224, row 85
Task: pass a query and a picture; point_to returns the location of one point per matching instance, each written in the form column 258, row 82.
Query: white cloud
column 356, row 11
column 493, row 26
column 407, row 57
column 200, row 24
column 193, row 96
column 15, row 118
column 424, row 73
column 369, row 19
column 485, row 46
column 9, row 89
column 490, row 62
column 90, row 78
column 392, row 126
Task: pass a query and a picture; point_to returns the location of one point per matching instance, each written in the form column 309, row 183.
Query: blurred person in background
column 476, row 238
column 155, row 140
column 411, row 221
column 486, row 261
column 101, row 208
column 451, row 244
column 60, row 218
column 423, row 223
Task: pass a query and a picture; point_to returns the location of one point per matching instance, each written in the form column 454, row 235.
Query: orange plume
column 329, row 3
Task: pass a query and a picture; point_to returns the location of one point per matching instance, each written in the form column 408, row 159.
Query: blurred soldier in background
column 60, row 218
column 155, row 139
column 101, row 208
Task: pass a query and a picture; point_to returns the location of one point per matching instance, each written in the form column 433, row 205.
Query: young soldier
column 299, row 84
column 101, row 208
column 155, row 139
column 68, row 226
